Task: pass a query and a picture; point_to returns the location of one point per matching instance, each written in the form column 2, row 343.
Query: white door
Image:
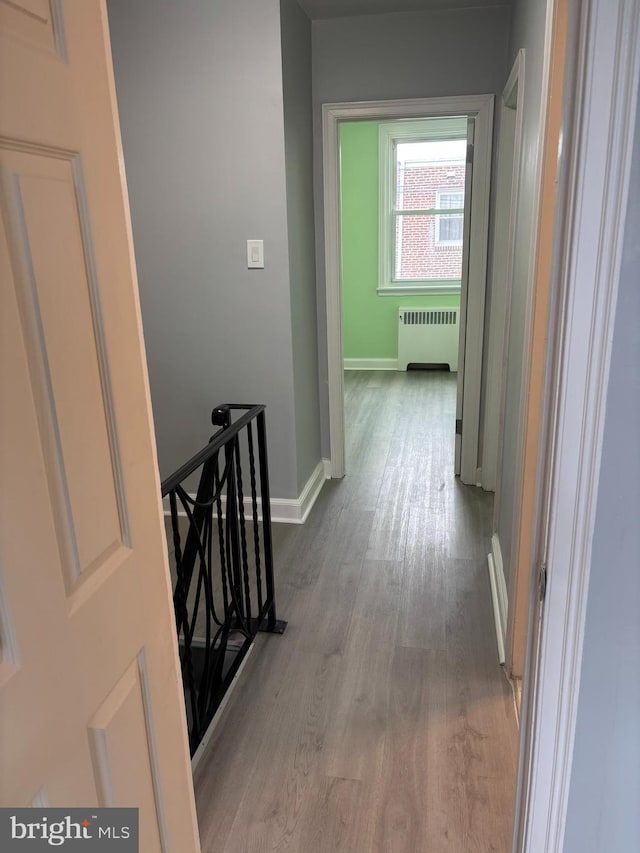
column 91, row 709
column 464, row 302
column 508, row 168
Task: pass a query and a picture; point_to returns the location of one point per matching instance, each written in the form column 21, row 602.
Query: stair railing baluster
column 243, row 537
column 254, row 511
column 266, row 520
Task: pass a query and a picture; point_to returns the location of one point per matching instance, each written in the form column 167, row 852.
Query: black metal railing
column 222, row 559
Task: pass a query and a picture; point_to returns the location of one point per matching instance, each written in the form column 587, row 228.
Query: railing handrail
column 216, row 442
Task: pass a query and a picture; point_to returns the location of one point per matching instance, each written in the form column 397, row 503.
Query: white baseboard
column 371, row 364
column 296, row 511
column 285, row 510
column 498, row 594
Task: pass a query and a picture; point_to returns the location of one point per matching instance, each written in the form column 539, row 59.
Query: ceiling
column 317, row 9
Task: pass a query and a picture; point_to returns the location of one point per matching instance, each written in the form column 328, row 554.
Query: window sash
column 428, row 211
column 390, row 135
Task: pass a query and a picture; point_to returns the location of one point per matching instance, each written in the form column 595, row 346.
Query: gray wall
column 199, row 89
column 298, row 139
column 528, row 31
column 406, row 55
column 604, row 794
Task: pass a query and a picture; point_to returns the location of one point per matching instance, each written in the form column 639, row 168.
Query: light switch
column 255, row 254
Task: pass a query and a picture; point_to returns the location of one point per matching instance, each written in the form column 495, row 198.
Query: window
column 422, row 178
column 449, row 226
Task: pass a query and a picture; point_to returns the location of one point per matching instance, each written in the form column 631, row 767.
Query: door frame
column 497, row 343
column 479, row 107
column 601, row 55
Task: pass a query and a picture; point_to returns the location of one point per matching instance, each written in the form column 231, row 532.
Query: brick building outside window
column 428, row 245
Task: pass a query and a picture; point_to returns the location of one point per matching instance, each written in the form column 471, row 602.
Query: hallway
column 381, row 720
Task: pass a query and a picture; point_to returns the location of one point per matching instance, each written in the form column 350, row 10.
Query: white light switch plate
column 255, row 254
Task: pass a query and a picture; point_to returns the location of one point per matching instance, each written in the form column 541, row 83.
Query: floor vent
column 428, row 336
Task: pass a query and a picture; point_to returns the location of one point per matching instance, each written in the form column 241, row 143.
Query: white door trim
column 598, row 138
column 497, row 343
column 480, row 107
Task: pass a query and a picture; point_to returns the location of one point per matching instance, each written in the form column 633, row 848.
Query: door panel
column 55, row 298
column 121, row 736
column 91, row 705
column 464, row 299
column 32, row 21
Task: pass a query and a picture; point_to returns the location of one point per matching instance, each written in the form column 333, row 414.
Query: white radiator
column 428, row 336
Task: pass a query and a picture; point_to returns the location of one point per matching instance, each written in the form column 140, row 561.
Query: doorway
column 480, row 109
column 404, row 238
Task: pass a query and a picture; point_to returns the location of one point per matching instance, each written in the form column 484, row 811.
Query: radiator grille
column 437, row 317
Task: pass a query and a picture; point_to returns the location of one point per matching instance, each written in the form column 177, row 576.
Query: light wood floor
column 381, row 720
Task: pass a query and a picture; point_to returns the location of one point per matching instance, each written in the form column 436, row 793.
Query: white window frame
column 389, row 135
column 458, row 211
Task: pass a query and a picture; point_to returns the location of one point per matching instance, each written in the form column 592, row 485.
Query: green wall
column 370, row 322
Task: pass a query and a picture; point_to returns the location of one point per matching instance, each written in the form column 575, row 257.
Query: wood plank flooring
column 381, row 721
